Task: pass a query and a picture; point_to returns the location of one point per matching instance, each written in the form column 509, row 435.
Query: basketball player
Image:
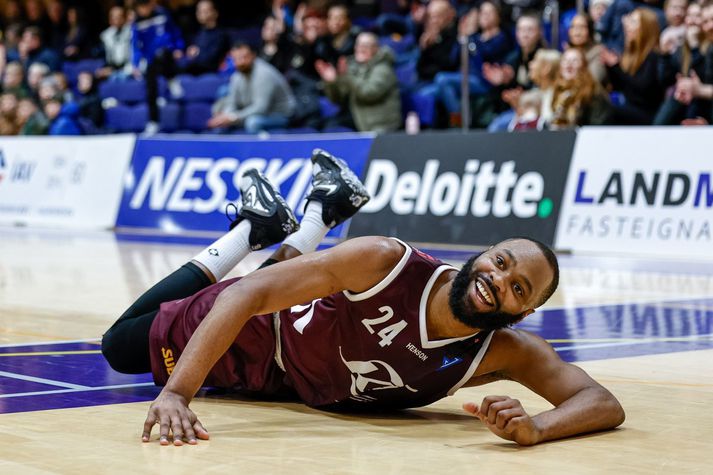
column 372, row 323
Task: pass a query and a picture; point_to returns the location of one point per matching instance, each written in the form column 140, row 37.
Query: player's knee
column 113, row 351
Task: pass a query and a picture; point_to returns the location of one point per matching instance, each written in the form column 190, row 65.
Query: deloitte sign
column 465, row 189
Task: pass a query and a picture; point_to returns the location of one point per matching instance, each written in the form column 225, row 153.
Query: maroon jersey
column 345, row 350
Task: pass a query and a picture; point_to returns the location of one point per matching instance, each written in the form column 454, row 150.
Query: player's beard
column 463, row 308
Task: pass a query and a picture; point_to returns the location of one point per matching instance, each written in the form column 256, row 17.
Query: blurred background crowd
column 210, row 66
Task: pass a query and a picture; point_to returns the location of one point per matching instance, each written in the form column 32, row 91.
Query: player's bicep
column 355, row 265
column 537, row 366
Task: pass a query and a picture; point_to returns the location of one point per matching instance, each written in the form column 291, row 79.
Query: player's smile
column 482, row 293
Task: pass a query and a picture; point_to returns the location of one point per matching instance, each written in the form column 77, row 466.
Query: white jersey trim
column 423, row 327
column 386, row 281
column 474, row 365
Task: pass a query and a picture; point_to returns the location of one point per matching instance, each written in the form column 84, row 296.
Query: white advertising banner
column 63, row 181
column 640, row 190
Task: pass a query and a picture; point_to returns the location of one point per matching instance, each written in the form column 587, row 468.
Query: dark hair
column 239, row 43
column 140, row 3
column 551, row 260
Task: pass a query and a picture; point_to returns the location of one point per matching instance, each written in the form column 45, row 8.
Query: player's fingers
column 177, row 429
column 515, row 423
column 488, row 400
column 505, row 416
column 164, row 429
column 200, row 431
column 148, row 426
column 188, row 431
column 498, row 406
column 471, row 408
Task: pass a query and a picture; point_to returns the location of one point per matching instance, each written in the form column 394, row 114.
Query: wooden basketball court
column 642, row 327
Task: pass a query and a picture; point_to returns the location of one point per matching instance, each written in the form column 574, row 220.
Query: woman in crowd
column 635, row 73
column 579, row 35
column 578, row 99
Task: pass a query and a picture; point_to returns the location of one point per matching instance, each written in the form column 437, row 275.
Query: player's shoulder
column 379, row 248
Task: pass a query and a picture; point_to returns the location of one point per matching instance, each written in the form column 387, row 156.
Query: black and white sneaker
column 270, row 217
column 337, row 187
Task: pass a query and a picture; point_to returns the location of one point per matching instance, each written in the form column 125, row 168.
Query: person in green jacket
column 367, row 83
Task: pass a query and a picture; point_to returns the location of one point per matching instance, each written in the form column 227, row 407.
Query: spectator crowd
column 320, row 65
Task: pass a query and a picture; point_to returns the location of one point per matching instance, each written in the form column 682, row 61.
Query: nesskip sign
column 465, row 189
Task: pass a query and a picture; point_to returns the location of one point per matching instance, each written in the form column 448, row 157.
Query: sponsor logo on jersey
column 372, row 375
column 447, row 362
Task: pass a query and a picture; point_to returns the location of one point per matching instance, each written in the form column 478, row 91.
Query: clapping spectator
column 117, row 44
column 156, row 44
column 680, row 60
column 210, row 45
column 635, row 73
column 578, row 99
column 368, row 84
column 675, row 13
column 259, row 97
column 700, row 87
column 438, row 40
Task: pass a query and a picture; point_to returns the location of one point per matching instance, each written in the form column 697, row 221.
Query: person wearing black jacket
column 210, row 45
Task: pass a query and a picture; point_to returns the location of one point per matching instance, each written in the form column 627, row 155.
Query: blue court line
column 75, row 390
column 49, row 382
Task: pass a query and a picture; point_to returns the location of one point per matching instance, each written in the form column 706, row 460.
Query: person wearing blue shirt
column 156, row 44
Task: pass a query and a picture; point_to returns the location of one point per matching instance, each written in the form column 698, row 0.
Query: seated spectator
column 77, row 41
column 578, row 99
column 680, row 58
column 31, row 50
column 438, row 41
column 514, row 72
column 675, row 13
column 274, row 49
column 259, row 97
column 210, row 45
column 700, row 88
column 63, row 117
column 490, row 45
column 35, row 15
column 55, row 35
column 30, row 119
column 35, row 74
column 13, row 36
column 8, row 114
column 49, row 88
column 89, row 101
column 63, row 85
column 579, row 35
column 611, row 26
column 116, row 41
column 340, row 38
column 543, row 71
column 597, row 9
column 635, row 74
column 13, row 81
column 368, row 84
column 156, row 44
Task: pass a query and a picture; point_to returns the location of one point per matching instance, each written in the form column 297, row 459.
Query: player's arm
column 581, row 404
column 355, row 265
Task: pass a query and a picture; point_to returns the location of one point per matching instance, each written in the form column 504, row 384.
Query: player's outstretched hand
column 506, row 418
column 175, row 419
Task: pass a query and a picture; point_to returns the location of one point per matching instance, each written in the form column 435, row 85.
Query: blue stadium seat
column 407, row 75
column 124, row 118
column 201, row 88
column 170, row 117
column 195, row 116
column 129, row 91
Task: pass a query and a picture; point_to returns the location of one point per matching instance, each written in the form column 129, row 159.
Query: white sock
column 225, row 253
column 312, row 230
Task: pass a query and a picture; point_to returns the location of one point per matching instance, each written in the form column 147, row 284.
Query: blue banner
column 179, row 184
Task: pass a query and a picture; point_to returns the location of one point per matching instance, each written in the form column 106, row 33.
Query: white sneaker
column 151, row 128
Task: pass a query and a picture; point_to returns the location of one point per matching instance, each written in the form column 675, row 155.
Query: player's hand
column 176, row 421
column 506, row 418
